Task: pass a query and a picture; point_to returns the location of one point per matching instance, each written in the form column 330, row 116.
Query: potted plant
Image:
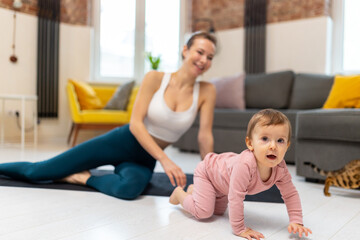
column 154, row 61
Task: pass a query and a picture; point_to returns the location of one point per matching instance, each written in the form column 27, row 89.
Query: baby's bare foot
column 190, row 189
column 174, row 196
column 77, row 178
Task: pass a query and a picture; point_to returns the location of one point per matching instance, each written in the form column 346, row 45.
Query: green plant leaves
column 154, row 61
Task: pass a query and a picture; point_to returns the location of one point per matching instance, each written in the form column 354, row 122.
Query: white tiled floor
column 27, row 213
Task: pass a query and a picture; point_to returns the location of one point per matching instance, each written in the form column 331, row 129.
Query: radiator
column 255, row 36
column 48, row 58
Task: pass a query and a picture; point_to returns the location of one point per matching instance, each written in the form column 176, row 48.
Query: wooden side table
column 22, row 99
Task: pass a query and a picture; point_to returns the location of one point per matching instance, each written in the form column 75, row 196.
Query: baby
column 225, row 179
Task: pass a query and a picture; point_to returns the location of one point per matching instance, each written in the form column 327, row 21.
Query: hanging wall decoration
column 17, row 5
column 13, row 57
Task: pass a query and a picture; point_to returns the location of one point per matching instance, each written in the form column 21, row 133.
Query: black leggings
column 133, row 165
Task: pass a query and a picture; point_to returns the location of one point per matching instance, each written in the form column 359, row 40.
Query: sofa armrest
column 329, row 124
column 73, row 102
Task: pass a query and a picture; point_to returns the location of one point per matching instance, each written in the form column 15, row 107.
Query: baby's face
column 269, row 144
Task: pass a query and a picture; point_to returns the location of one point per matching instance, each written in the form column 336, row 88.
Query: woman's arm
column 149, row 86
column 207, row 105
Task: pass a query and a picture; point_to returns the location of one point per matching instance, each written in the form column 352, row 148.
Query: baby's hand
column 250, row 234
column 294, row 228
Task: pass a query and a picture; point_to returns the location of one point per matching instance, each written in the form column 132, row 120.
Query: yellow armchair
column 97, row 119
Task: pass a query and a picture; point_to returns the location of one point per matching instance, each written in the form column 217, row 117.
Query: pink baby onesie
column 225, row 179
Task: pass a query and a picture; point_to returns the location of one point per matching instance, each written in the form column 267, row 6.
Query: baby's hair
column 268, row 117
column 200, row 34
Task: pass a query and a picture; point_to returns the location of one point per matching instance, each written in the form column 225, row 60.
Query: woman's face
column 199, row 56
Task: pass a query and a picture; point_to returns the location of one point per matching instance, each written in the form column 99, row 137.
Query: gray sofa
column 327, row 138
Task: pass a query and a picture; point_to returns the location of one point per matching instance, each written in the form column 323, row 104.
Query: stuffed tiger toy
column 347, row 177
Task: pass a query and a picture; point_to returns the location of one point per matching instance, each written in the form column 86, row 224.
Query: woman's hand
column 294, row 228
column 174, row 173
column 250, row 234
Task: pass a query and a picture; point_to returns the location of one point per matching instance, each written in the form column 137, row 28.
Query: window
column 117, row 38
column 351, row 50
column 125, row 30
column 346, row 36
column 161, row 37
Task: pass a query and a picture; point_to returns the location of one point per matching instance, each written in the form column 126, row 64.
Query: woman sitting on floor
column 166, row 106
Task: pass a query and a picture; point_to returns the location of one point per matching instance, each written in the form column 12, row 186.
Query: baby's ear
column 249, row 144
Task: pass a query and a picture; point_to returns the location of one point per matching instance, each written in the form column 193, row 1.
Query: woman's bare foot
column 77, row 178
column 174, row 199
column 190, row 189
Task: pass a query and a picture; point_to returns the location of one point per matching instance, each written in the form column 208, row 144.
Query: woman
column 166, row 106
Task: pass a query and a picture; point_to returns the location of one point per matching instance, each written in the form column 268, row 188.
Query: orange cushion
column 86, row 95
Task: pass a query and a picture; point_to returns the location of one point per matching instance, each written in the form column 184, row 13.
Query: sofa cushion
column 268, row 90
column 230, row 92
column 291, row 114
column 334, row 124
column 86, row 95
column 345, row 93
column 120, row 98
column 104, row 117
column 239, row 119
column 232, row 119
column 310, row 90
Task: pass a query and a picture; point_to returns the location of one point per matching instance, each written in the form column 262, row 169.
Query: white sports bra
column 162, row 122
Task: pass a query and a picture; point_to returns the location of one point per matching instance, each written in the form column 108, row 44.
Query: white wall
column 229, row 58
column 20, row 78
column 302, row 45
